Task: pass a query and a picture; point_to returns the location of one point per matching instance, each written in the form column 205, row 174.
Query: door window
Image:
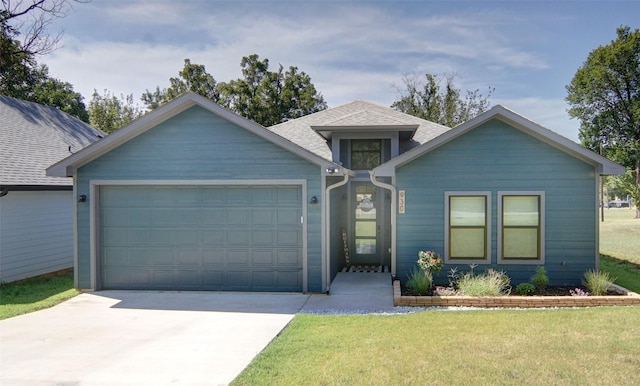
column 365, row 220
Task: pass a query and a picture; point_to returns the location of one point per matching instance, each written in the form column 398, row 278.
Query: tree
column 604, row 95
column 20, row 75
column 425, row 99
column 31, row 19
column 269, row 98
column 193, row 77
column 263, row 96
column 109, row 113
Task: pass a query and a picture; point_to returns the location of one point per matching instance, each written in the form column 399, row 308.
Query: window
column 521, row 227
column 365, row 154
column 467, row 227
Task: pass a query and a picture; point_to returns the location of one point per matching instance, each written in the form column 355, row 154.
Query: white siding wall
column 36, row 233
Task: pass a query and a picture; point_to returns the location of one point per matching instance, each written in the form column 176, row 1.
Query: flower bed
column 626, row 298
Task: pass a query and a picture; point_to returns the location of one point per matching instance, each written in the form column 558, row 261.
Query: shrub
column 490, row 283
column 540, row 279
column 597, row 282
column 429, row 261
column 525, row 289
column 420, row 281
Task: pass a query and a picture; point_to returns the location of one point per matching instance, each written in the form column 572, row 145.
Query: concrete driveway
column 142, row 338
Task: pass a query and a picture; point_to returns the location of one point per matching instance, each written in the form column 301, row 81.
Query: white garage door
column 240, row 238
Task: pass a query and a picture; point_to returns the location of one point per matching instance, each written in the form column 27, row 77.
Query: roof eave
column 603, row 165
column 68, row 166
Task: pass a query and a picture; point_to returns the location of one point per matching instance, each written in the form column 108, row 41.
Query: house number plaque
column 401, row 198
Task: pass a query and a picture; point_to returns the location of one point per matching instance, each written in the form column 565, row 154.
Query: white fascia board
column 604, row 166
column 67, row 167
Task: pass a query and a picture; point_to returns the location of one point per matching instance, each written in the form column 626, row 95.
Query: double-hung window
column 467, row 227
column 521, row 227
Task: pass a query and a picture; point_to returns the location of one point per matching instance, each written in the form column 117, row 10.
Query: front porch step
column 366, row 269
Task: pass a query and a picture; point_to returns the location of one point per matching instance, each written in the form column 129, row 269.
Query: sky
column 527, row 51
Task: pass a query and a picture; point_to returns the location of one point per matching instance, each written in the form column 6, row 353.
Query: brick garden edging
column 627, row 298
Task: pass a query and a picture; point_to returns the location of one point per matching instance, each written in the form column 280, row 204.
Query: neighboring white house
column 36, row 211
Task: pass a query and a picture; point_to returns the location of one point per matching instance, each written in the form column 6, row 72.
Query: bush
column 525, row 289
column 490, row 283
column 540, row 279
column 597, row 282
column 420, row 281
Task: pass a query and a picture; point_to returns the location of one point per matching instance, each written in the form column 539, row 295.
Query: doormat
column 366, row 268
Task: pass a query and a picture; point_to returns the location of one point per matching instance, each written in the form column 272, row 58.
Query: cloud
column 352, row 51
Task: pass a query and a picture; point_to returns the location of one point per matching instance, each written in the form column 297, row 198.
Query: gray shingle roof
column 33, row 137
column 357, row 113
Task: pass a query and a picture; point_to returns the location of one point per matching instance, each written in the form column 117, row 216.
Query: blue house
column 194, row 197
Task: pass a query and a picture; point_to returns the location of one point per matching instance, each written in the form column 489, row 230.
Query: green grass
column 528, row 347
column 620, row 235
column 35, row 294
column 620, row 247
column 627, row 274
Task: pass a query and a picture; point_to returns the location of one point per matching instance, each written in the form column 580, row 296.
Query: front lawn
column 523, row 347
column 35, row 294
column 620, row 247
column 620, row 235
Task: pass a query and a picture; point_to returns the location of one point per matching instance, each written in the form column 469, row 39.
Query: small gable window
column 521, row 227
column 467, row 225
column 366, row 154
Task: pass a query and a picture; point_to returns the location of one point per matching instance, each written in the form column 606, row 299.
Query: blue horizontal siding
column 199, row 145
column 497, row 157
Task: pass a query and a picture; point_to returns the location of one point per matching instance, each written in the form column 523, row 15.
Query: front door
column 370, row 241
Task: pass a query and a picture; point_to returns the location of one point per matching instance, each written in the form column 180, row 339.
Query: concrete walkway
column 161, row 338
column 354, row 292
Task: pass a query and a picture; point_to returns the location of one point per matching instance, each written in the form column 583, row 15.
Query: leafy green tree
column 109, row 113
column 193, row 77
column 447, row 105
column 268, row 97
column 20, row 41
column 604, row 95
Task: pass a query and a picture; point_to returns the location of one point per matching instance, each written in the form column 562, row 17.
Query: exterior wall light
column 313, row 200
column 82, row 198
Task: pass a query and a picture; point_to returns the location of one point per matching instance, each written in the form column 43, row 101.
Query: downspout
column 393, row 217
column 327, row 225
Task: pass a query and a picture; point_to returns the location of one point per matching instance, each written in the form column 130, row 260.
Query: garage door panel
column 238, row 217
column 237, row 257
column 237, row 280
column 289, row 237
column 162, row 216
column 288, row 257
column 213, row 237
column 189, row 216
column 214, row 216
column 263, row 280
column 201, row 238
column 264, row 257
column 238, row 237
column 239, row 196
column 262, row 216
column 263, row 237
column 289, row 216
column 189, row 256
column 289, row 279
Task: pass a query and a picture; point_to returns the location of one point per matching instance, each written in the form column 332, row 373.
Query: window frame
column 541, row 228
column 378, row 152
column 447, row 227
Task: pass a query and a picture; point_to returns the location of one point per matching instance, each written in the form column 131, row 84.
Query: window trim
column 447, row 235
column 541, row 231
